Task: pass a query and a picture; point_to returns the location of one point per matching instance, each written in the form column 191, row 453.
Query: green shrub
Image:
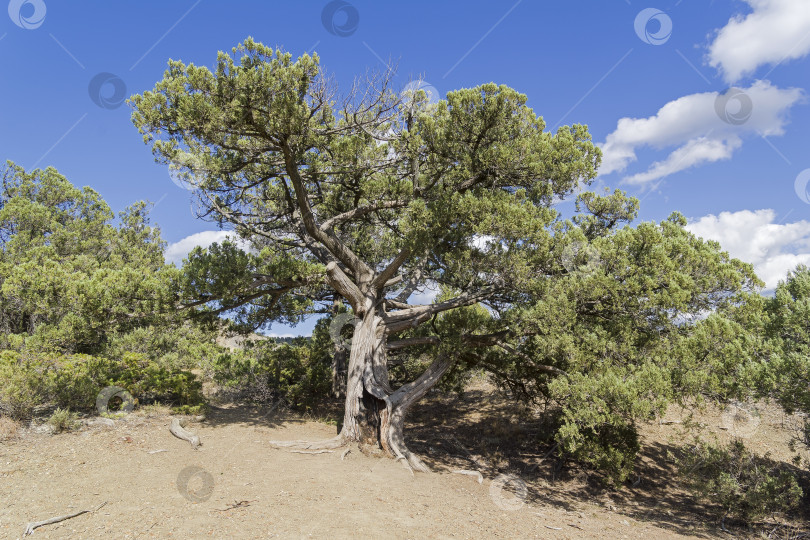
column 746, row 486
column 609, row 448
column 73, row 381
column 64, row 420
column 269, row 371
column 599, row 414
column 150, row 381
column 202, row 408
column 21, row 384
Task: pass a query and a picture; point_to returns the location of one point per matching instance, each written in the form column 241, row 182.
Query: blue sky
column 700, row 106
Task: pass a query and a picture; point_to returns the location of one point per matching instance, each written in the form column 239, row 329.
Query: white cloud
column 176, row 252
column 753, row 237
column 776, row 30
column 694, row 152
column 704, row 128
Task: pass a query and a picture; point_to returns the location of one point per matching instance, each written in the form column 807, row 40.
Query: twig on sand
column 29, row 528
column 240, row 504
column 178, row 431
column 157, row 451
column 311, row 451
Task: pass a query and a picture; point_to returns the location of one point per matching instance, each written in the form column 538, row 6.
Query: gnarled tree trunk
column 375, row 413
column 364, row 396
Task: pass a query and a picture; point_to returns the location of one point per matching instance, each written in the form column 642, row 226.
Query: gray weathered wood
column 178, row 431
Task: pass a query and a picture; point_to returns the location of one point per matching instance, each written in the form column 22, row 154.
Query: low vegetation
column 63, row 420
column 741, row 484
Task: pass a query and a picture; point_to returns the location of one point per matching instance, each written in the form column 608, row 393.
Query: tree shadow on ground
column 483, row 430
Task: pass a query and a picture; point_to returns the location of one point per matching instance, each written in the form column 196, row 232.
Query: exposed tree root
column 345, row 453
column 311, row 452
column 328, row 444
column 406, row 464
column 29, row 528
column 178, row 431
column 477, row 474
column 410, row 459
column 416, row 463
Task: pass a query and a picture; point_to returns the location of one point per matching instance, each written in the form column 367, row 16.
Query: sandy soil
column 241, row 488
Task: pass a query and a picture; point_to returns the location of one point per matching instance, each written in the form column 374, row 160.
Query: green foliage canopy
column 86, row 302
column 69, row 278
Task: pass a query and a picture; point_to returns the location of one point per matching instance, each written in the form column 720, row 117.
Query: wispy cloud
column 701, row 127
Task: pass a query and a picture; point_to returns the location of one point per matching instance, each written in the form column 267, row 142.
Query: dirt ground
column 236, row 486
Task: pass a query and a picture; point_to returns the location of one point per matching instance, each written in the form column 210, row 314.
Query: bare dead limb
column 178, row 431
column 29, row 528
column 477, row 474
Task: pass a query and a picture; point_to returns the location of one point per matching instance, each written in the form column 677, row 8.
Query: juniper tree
column 373, row 195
